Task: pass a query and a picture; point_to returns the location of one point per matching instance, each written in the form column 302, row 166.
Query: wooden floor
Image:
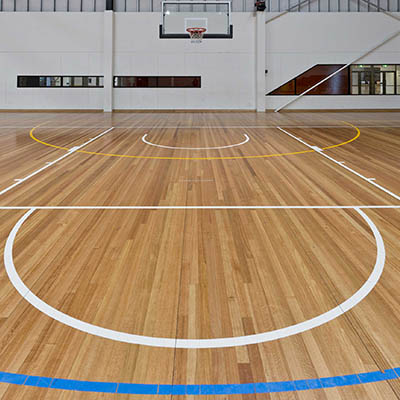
column 192, row 241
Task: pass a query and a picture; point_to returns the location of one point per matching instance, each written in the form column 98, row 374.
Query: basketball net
column 196, row 34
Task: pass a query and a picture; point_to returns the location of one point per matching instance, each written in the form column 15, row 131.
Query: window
column 373, row 79
column 53, row 81
column 287, row 89
column 338, row 84
column 398, row 79
column 165, row 81
column 92, row 81
column 359, row 79
column 78, row 81
column 60, row 81
column 186, row 81
column 387, row 78
column 157, row 81
column 67, row 81
column 29, row 81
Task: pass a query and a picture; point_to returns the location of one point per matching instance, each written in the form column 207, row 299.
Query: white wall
column 52, row 44
column 226, row 66
column 72, row 43
column 296, row 42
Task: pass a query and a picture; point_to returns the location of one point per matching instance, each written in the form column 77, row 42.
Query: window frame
column 157, row 82
column 350, row 85
column 85, row 78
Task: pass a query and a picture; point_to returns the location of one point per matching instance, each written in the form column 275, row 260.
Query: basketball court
column 219, row 255
column 165, row 235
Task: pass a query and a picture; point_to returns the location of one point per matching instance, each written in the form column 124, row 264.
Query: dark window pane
column 338, row 84
column 128, row 81
column 28, row 81
column 142, row 81
column 286, row 89
column 186, row 81
column 157, row 81
column 196, row 82
column 165, row 81
column 153, row 81
column 22, row 81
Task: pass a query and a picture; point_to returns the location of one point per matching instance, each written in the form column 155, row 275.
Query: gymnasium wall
column 52, row 44
column 226, row 66
column 72, row 44
column 296, row 42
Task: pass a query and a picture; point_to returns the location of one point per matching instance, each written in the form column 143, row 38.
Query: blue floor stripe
column 240, row 388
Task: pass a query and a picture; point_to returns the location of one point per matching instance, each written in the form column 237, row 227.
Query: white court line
column 195, row 148
column 49, row 164
column 194, row 343
column 391, row 206
column 252, row 126
column 341, row 164
column 201, row 127
column 56, row 127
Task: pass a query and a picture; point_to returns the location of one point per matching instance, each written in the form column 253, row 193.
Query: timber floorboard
column 200, row 273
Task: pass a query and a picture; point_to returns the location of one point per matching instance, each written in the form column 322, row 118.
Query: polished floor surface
column 200, row 256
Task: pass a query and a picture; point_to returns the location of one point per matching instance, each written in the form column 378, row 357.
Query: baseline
column 196, row 390
column 194, row 343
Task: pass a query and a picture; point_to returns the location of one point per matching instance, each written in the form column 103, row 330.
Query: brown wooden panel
column 289, row 88
column 338, row 84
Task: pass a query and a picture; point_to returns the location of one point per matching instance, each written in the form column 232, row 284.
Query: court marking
column 51, row 163
column 159, row 389
column 194, row 126
column 389, row 206
column 304, row 326
column 213, row 389
column 195, row 148
column 197, row 158
column 341, row 164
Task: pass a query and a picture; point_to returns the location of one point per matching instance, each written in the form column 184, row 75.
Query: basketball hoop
column 196, row 34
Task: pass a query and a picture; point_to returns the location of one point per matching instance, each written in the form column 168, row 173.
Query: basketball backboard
column 178, row 16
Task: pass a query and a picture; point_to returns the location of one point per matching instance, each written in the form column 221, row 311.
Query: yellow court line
column 196, row 158
column 45, row 143
column 349, row 141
